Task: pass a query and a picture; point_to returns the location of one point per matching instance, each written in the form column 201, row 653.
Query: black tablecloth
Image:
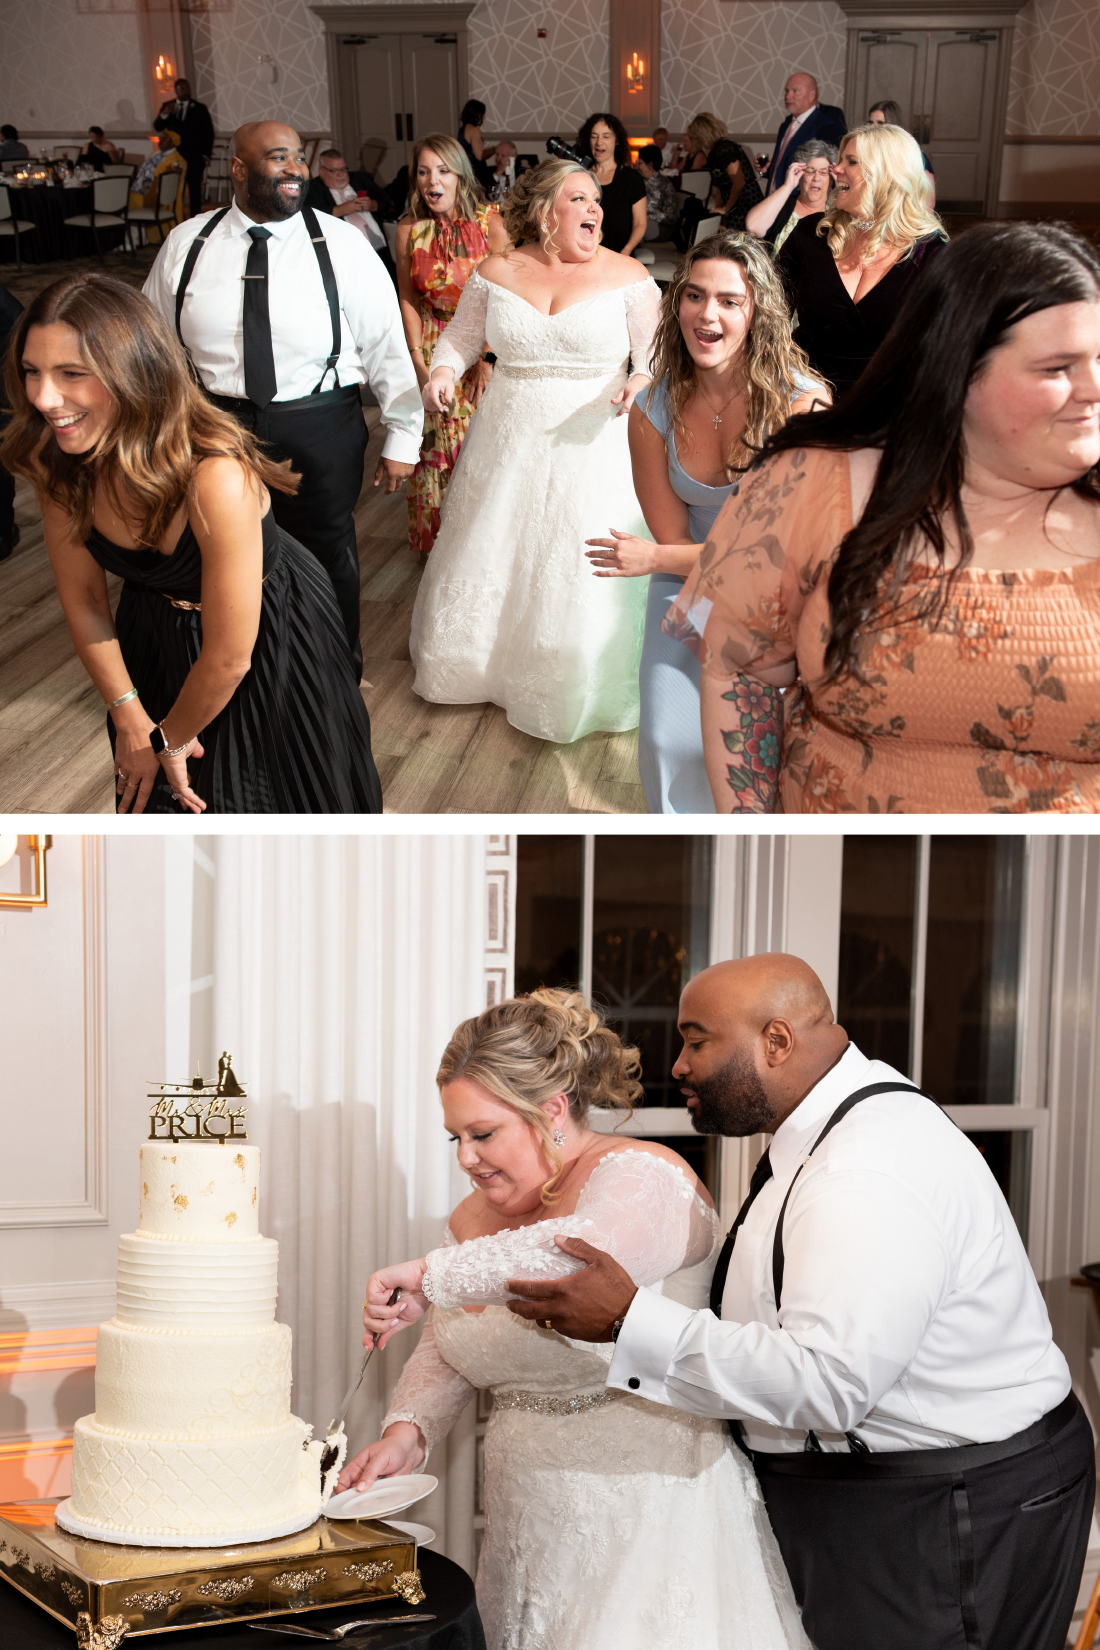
column 47, row 208
column 450, row 1599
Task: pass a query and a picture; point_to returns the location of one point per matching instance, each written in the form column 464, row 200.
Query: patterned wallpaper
column 1054, row 90
column 734, row 59
column 91, row 73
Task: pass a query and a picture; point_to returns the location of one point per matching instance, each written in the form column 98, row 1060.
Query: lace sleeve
column 638, row 1207
column 429, row 1391
column 462, row 343
column 643, row 304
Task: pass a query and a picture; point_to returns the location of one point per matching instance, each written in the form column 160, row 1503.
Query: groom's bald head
column 758, row 1034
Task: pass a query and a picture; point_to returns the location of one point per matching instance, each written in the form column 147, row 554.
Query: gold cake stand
column 106, row 1592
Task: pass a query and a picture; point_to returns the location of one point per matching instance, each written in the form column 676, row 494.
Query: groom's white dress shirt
column 909, row 1311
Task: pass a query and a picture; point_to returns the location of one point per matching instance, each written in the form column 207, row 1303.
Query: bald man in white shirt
column 876, row 1338
column 285, row 313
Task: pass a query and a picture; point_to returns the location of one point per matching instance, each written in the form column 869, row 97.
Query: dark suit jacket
column 196, row 130
column 319, row 195
column 826, row 122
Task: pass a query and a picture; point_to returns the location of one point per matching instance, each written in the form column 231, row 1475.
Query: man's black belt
column 318, row 398
column 916, row 1463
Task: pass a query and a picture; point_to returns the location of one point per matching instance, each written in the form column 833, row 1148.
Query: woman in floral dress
column 919, row 566
column 446, row 234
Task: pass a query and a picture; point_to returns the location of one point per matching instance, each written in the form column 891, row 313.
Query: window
column 931, row 950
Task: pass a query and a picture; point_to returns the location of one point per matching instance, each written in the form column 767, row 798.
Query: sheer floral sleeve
column 643, row 307
column 429, row 1392
column 462, row 343
column 638, row 1207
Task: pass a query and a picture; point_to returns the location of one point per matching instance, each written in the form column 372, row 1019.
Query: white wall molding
column 72, row 1305
column 500, row 918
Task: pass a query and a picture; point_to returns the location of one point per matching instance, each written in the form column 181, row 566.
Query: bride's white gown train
column 611, row 1522
column 509, row 611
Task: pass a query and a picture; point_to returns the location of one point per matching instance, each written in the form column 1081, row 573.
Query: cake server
column 332, row 1450
column 338, row 1633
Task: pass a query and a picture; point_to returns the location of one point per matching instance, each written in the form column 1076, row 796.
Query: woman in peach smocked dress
column 448, row 231
column 919, row 567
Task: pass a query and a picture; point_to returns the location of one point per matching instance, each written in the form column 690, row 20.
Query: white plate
column 390, row 1495
column 421, row 1533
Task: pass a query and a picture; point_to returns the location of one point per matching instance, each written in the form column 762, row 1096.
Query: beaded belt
column 555, row 372
column 541, row 1403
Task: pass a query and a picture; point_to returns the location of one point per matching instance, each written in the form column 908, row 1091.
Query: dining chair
column 118, row 169
column 11, row 225
column 664, row 268
column 163, row 211
column 697, row 183
column 110, row 210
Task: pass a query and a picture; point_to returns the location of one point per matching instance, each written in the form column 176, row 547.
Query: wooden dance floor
column 54, row 755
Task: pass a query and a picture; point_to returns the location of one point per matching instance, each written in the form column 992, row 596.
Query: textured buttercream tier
column 153, row 1486
column 202, row 1193
column 191, row 1385
column 176, row 1286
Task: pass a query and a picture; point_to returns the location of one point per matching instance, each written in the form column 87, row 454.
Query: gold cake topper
column 199, row 1110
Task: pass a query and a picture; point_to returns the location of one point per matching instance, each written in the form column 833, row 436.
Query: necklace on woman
column 722, row 408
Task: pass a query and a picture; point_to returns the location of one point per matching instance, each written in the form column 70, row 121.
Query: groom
column 876, row 1338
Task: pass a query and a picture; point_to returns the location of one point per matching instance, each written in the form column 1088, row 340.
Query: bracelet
column 123, row 699
column 159, row 741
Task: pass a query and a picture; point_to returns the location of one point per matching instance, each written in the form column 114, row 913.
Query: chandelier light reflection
column 635, row 74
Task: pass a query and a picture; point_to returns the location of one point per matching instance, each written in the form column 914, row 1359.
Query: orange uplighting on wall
column 635, row 74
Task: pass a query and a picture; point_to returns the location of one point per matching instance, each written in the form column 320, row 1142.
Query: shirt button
column 634, row 1383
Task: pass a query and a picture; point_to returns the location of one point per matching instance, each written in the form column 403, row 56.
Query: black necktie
column 259, row 357
column 760, row 1177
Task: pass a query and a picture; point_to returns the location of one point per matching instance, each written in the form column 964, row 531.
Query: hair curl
column 532, row 198
column 771, row 360
column 895, row 191
column 469, row 195
column 526, row 1050
column 704, row 132
column 618, row 131
column 909, row 403
column 162, row 424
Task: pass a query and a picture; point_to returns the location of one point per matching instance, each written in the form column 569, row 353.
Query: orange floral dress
column 991, row 707
column 443, row 257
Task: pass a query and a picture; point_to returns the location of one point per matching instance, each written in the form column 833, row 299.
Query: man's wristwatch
column 161, row 745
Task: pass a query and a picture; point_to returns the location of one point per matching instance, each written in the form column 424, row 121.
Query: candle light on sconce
column 635, row 74
column 164, row 73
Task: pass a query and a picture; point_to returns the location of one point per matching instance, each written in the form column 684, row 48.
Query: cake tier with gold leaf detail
column 192, row 1436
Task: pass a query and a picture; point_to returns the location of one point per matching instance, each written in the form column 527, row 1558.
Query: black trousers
column 978, row 1558
column 192, row 183
column 325, row 438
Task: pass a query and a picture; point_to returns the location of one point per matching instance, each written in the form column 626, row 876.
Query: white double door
column 404, row 86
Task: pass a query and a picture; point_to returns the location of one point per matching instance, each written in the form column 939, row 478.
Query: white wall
column 63, row 70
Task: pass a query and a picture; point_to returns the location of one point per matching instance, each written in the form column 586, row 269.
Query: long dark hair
column 909, row 403
column 473, row 113
column 622, row 142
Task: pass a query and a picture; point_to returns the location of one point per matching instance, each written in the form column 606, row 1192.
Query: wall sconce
column 635, row 74
column 164, row 73
column 38, row 846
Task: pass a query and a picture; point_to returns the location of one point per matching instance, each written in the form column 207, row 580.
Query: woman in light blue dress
column 725, row 371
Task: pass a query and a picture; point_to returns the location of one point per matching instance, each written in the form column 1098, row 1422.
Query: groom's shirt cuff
column 647, row 1345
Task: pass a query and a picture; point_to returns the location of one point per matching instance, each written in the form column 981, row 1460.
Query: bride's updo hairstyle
column 525, row 1050
column 529, row 204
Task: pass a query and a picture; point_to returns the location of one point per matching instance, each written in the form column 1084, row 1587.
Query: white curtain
column 340, row 967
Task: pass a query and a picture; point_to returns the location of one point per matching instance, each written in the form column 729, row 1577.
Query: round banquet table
column 47, row 208
column 450, row 1599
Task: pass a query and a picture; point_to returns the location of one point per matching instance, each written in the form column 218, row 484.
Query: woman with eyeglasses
column 804, row 193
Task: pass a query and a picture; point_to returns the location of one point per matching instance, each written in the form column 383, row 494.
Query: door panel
column 955, row 88
column 430, row 67
column 892, row 66
column 959, row 96
column 379, row 103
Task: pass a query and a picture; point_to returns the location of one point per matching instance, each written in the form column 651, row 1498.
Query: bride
column 507, row 611
column 610, row 1520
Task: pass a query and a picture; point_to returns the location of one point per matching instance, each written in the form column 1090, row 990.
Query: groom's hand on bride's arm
column 585, row 1306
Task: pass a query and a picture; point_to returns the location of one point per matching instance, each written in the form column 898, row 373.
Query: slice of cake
column 192, row 1441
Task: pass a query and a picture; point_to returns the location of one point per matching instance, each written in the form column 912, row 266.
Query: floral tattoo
column 756, row 740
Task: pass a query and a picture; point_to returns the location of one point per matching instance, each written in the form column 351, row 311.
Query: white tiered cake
column 192, row 1441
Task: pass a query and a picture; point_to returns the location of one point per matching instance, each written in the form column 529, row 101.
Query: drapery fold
column 341, row 965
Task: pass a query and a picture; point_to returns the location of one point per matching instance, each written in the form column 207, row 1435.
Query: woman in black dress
column 469, row 135
column 226, row 671
column 848, row 270
column 603, row 140
column 736, row 187
column 99, row 152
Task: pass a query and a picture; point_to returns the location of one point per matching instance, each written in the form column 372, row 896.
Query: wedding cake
column 192, row 1441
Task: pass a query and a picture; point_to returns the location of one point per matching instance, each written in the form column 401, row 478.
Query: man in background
column 196, row 138
column 353, row 196
column 806, row 118
column 504, row 170
column 10, row 146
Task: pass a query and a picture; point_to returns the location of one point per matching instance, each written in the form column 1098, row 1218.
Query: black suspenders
column 328, row 280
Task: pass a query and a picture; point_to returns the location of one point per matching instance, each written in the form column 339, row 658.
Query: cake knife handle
column 355, row 1385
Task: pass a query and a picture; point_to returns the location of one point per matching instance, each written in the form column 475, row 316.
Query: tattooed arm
column 742, row 743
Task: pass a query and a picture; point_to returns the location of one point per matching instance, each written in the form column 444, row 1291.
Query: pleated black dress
column 295, row 737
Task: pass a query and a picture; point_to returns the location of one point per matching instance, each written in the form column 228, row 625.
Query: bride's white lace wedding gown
column 612, row 1523
column 509, row 610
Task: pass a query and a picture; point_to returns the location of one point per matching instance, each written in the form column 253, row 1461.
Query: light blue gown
column 670, row 734
column 670, row 737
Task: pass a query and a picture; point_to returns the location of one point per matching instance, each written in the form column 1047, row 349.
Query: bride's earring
column 558, row 1138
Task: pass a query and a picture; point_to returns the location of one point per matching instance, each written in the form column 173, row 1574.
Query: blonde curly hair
column 533, row 197
column 771, row 360
column 468, row 194
column 526, row 1050
column 704, row 132
column 895, row 193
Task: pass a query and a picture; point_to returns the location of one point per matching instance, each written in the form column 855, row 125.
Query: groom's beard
column 733, row 1102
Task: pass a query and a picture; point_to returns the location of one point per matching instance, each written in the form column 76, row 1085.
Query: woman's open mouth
column 707, row 338
column 68, row 421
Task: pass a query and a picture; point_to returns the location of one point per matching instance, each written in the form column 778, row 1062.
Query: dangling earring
column 558, row 1138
